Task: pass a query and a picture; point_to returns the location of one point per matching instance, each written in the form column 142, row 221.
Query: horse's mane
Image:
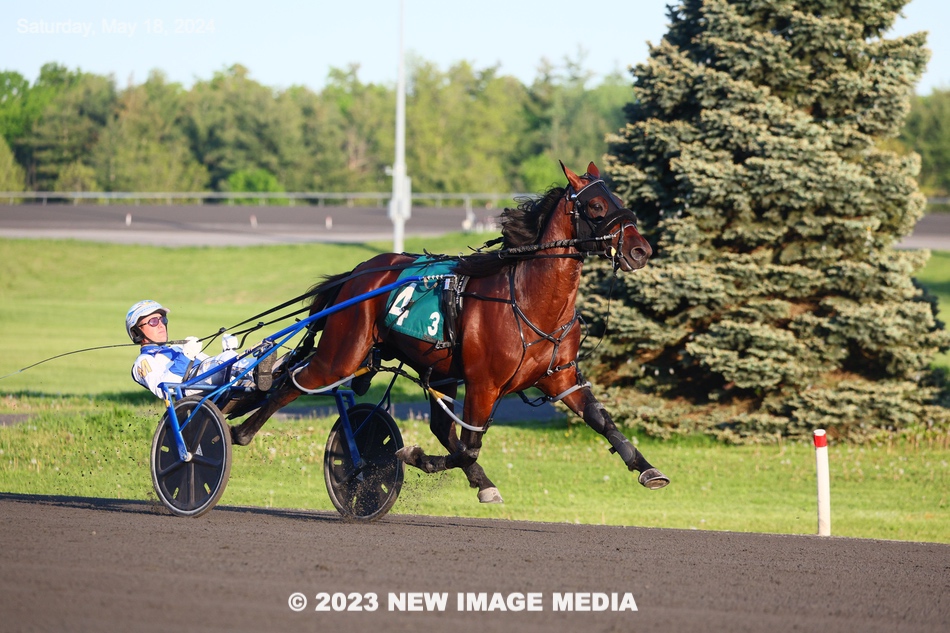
column 520, row 226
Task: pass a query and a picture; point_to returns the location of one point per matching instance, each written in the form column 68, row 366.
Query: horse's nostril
column 639, row 253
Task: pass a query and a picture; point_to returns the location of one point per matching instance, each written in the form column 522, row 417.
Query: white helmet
column 136, row 312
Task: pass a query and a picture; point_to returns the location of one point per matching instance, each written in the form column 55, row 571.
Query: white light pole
column 400, row 205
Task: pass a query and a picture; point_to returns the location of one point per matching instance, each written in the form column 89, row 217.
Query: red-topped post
column 824, row 486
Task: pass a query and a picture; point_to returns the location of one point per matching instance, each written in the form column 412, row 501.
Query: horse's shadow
column 133, row 398
column 154, row 508
column 511, row 411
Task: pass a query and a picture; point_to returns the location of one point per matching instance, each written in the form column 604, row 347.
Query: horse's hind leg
column 336, row 357
column 243, row 433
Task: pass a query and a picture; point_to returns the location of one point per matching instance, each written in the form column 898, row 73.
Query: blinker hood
column 594, row 189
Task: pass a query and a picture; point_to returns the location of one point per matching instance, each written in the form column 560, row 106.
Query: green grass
column 59, row 296
column 546, row 472
column 936, row 277
column 89, row 427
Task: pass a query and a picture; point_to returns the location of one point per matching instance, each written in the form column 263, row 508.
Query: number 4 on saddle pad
column 417, row 309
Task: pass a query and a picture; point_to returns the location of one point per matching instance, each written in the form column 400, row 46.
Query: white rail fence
column 304, row 198
column 311, row 198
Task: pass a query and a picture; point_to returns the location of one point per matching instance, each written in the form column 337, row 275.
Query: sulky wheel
column 368, row 493
column 190, row 489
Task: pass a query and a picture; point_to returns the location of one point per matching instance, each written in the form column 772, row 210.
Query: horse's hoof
column 410, row 455
column 653, row 479
column 490, row 495
column 237, row 438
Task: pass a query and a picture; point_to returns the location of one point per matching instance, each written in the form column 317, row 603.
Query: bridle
column 591, row 232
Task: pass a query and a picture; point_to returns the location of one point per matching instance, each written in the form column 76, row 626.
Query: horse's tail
column 324, row 294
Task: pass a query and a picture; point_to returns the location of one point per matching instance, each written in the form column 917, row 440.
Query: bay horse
column 517, row 329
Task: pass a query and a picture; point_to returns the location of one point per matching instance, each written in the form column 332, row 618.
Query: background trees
column 927, row 132
column 464, row 125
column 776, row 301
column 355, row 131
column 143, row 146
column 234, row 123
column 471, row 130
column 11, row 174
column 564, row 115
column 61, row 117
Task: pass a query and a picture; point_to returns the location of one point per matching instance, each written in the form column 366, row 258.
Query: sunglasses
column 154, row 321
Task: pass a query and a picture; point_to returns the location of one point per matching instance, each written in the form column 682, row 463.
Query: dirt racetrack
column 77, row 564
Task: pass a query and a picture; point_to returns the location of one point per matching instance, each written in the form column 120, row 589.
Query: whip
column 79, row 351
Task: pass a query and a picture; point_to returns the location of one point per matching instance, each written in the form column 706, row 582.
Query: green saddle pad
column 416, row 309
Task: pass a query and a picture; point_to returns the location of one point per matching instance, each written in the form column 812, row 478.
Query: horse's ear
column 572, row 178
column 593, row 171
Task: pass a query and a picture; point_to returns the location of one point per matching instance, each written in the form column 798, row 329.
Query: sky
column 285, row 43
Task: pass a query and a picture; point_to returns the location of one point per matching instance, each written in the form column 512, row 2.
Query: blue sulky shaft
column 174, row 392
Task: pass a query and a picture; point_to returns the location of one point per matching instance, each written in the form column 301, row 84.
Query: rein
column 523, row 252
column 311, row 293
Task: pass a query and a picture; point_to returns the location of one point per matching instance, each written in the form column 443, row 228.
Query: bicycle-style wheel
column 365, row 493
column 192, row 488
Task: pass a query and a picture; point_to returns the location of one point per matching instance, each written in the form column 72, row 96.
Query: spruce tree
column 776, row 301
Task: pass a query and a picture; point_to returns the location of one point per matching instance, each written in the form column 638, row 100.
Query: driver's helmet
column 136, row 312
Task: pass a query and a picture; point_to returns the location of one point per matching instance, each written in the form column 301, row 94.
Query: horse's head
column 602, row 224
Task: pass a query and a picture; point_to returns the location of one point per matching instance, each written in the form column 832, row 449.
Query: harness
column 593, row 236
column 590, row 232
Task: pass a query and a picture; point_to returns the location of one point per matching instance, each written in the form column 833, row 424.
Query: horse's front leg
column 463, row 450
column 444, row 428
column 583, row 403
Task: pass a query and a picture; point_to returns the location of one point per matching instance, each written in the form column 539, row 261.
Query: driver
column 146, row 323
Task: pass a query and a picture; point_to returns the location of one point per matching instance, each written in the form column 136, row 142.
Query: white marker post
column 824, row 486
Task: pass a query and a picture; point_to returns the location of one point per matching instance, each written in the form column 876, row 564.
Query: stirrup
column 363, row 377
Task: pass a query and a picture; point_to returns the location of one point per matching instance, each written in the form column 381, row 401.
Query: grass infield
column 79, row 426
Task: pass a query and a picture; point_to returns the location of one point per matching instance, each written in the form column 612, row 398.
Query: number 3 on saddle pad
column 416, row 310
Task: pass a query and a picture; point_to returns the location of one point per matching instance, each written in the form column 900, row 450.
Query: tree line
column 927, row 132
column 470, row 130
